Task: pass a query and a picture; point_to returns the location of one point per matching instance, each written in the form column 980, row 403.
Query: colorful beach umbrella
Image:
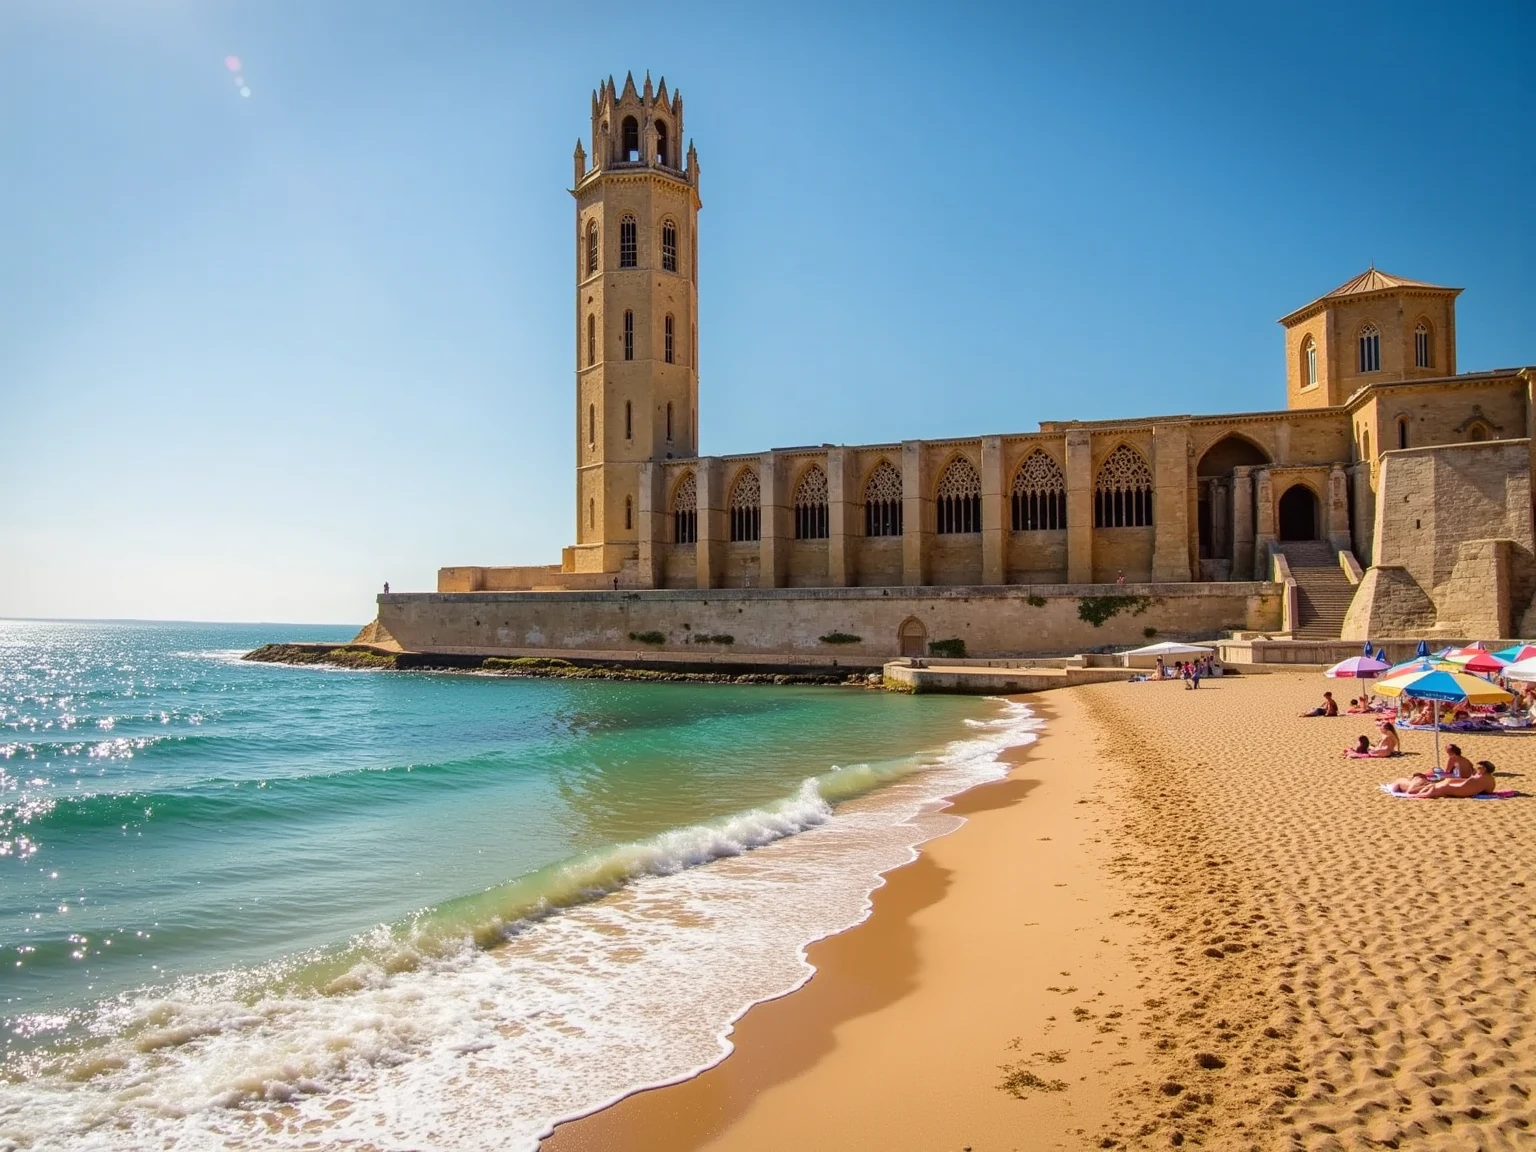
column 1423, row 649
column 1516, row 653
column 1479, row 661
column 1361, row 667
column 1437, row 685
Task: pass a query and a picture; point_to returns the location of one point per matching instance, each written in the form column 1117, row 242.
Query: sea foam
column 511, row 1010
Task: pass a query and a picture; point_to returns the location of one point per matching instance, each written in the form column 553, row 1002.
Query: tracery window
column 1422, row 352
column 629, row 335
column 670, row 329
column 744, row 506
column 1122, row 496
column 591, row 247
column 685, row 510
column 882, row 501
column 1370, row 349
column 669, row 247
column 1309, row 362
column 811, row 505
column 958, row 498
column 1039, row 494
column 627, row 242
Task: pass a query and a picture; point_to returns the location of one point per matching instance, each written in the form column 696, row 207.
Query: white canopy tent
column 1170, row 648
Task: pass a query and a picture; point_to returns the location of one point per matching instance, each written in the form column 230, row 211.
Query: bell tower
column 637, row 290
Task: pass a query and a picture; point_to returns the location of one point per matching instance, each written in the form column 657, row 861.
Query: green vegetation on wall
column 718, row 638
column 841, row 638
column 1097, row 609
column 954, row 647
column 652, row 637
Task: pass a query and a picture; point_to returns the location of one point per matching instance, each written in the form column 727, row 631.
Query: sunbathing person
column 1329, row 707
column 1358, row 707
column 1424, row 717
column 1481, row 781
column 1457, row 767
column 1362, row 747
column 1388, row 744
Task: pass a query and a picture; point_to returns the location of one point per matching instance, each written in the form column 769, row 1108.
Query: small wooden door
column 913, row 637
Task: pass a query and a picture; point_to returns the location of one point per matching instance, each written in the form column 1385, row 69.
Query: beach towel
column 1508, row 794
column 1353, row 755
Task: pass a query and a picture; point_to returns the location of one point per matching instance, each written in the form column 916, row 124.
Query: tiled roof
column 1371, row 280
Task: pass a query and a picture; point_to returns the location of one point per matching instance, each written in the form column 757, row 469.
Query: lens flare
column 232, row 63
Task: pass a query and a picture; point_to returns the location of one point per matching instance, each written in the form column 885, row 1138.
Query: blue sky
column 259, row 354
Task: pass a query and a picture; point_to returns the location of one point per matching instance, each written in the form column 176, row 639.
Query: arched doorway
column 912, row 637
column 1217, row 512
column 1298, row 513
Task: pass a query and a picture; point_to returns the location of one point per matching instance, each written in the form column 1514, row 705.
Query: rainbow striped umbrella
column 1363, row 667
column 1479, row 661
column 1516, row 653
column 1437, row 684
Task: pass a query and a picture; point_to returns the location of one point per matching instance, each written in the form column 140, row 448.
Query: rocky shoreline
column 363, row 657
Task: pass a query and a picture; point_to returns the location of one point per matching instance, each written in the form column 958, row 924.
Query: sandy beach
column 1183, row 920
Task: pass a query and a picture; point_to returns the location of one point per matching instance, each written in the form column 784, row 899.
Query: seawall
column 725, row 625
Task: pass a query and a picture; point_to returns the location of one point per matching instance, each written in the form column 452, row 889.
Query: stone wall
column 1453, row 543
column 992, row 621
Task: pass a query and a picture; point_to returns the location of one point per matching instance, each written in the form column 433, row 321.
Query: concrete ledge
column 970, row 680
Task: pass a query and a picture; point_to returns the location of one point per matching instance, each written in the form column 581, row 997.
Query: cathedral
column 1389, row 496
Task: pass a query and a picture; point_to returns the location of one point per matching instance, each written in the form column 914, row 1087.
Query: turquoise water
column 298, row 895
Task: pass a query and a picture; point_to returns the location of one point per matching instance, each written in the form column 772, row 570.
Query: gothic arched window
column 1039, row 494
column 811, row 505
column 1370, row 349
column 958, row 498
column 1423, row 350
column 1402, row 431
column 1309, row 363
column 591, row 247
column 663, row 149
column 669, row 328
column 744, row 507
column 591, row 339
column 627, row 251
column 1122, row 496
column 669, row 247
column 630, row 139
column 629, row 335
column 685, row 514
column 882, row 501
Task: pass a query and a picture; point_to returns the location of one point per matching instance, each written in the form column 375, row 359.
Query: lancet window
column 1039, row 494
column 629, row 512
column 629, row 335
column 1309, row 362
column 671, row 329
column 627, row 251
column 630, row 138
column 958, row 498
column 811, row 505
column 685, row 510
column 1422, row 352
column 663, row 152
column 1370, row 349
column 882, row 501
column 744, row 506
column 629, row 420
column 669, row 421
column 669, row 247
column 1122, row 497
column 591, row 339
column 592, row 248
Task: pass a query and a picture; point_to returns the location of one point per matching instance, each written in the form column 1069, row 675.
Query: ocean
column 247, row 905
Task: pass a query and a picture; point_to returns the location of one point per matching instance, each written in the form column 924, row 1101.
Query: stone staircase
column 1323, row 592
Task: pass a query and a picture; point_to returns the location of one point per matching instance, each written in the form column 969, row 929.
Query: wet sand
column 1183, row 919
